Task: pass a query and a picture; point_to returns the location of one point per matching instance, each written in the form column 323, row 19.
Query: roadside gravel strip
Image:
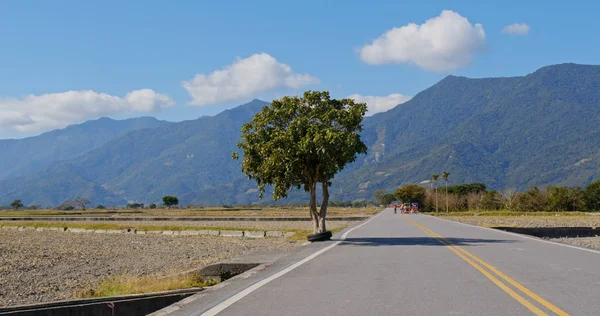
column 539, row 221
column 586, row 242
column 47, row 266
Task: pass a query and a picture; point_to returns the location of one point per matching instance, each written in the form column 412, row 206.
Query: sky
column 65, row 62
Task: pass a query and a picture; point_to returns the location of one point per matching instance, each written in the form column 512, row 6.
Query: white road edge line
column 230, row 301
column 519, row 235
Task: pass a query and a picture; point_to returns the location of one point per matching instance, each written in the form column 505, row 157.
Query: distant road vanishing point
column 398, row 264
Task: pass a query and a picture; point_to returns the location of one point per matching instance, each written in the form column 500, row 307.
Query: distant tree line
column 475, row 196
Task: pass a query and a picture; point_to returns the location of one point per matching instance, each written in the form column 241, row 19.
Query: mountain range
column 535, row 130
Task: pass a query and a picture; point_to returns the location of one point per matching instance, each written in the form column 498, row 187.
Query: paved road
column 420, row 265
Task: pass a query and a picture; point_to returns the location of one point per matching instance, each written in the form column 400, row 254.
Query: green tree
column 434, row 178
column 16, row 204
column 151, row 206
column 533, row 200
column 383, row 198
column 591, row 195
column 169, row 201
column 301, row 142
column 565, row 198
column 411, row 193
column 445, row 178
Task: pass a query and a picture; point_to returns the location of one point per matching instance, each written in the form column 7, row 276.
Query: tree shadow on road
column 418, row 241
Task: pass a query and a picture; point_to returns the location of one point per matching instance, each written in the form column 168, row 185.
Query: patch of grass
column 123, row 285
column 300, row 234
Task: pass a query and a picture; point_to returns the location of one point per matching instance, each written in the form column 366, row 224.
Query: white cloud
column 35, row 113
column 443, row 43
column 243, row 79
column 516, row 29
column 377, row 104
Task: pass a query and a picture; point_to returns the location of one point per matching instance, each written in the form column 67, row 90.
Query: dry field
column 46, row 266
column 41, row 266
column 529, row 221
column 558, row 220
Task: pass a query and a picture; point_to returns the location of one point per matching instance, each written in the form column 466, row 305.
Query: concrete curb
column 189, row 232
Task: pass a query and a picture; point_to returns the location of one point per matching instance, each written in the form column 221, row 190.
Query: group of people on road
column 407, row 208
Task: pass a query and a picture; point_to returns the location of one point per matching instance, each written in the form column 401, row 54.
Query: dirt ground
column 47, row 266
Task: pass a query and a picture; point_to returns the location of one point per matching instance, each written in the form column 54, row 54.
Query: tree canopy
column 169, row 201
column 411, row 193
column 16, row 204
column 298, row 142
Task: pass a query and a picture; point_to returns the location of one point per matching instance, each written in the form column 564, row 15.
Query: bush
column 591, row 196
column 534, row 200
column 100, row 207
column 151, row 206
column 135, row 205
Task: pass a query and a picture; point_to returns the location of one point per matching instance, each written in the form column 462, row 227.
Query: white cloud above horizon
column 244, row 78
column 37, row 113
column 516, row 29
column 377, row 104
column 444, row 43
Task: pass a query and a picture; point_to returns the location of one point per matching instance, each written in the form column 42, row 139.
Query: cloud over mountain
column 244, row 78
column 34, row 113
column 443, row 43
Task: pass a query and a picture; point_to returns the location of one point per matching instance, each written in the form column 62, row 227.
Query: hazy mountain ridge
column 539, row 129
column 23, row 156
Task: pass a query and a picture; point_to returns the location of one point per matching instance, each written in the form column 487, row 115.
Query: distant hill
column 539, row 129
column 23, row 156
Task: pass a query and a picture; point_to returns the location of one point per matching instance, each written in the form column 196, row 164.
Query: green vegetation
column 383, row 198
column 302, row 143
column 123, row 285
column 475, row 197
column 169, row 201
column 16, row 205
column 411, row 193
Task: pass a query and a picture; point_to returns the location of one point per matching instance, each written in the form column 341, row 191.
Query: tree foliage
column 411, row 193
column 16, row 204
column 591, row 195
column 383, row 198
column 169, row 201
column 299, row 142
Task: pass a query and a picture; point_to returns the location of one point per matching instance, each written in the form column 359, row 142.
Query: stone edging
column 223, row 233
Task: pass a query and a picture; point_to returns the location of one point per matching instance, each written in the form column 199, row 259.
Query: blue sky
column 129, row 58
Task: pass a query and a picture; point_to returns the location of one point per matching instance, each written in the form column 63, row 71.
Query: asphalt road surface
column 420, row 265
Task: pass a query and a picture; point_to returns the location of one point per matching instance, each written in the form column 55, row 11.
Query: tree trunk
column 323, row 211
column 446, row 196
column 318, row 216
column 312, row 205
column 436, row 201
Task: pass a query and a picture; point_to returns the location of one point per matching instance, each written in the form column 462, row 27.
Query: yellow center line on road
column 462, row 253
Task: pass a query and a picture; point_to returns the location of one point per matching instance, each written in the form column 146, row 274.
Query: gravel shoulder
column 47, row 266
column 586, row 242
column 539, row 221
column 528, row 221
